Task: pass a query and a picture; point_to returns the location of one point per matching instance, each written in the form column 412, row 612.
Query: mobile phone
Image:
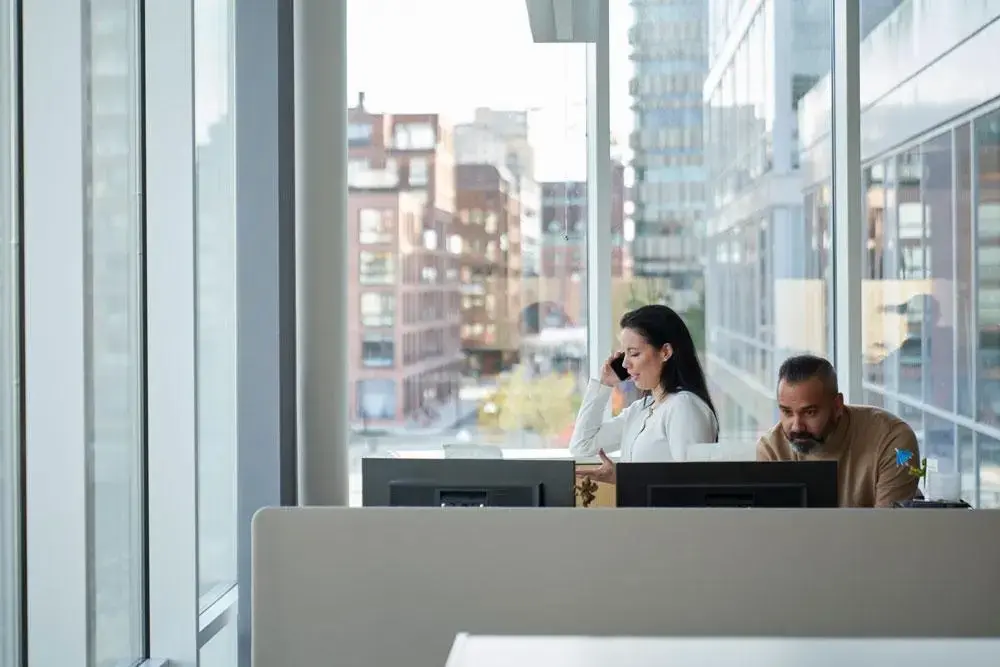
column 617, row 365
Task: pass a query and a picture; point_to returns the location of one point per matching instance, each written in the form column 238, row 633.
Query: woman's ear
column 666, row 352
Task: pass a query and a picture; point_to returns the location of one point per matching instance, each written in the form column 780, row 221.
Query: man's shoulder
column 869, row 417
column 775, row 443
column 877, row 426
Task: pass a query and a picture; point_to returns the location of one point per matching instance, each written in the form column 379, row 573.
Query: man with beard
column 864, row 441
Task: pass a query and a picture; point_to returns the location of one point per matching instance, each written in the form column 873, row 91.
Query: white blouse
column 642, row 433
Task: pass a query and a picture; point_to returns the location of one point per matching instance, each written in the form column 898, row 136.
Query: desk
column 486, row 651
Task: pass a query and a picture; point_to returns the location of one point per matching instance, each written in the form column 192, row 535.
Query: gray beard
column 806, row 446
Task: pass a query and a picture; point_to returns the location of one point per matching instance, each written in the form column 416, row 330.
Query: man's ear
column 838, row 404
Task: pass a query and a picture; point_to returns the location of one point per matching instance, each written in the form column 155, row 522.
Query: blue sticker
column 903, row 457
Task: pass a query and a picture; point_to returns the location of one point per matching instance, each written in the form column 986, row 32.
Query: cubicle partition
column 375, row 587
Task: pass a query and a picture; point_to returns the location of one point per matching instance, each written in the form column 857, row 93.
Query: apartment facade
column 405, row 350
column 500, row 138
column 488, row 238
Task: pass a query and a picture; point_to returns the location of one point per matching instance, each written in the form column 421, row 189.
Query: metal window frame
column 172, row 458
column 265, row 274
column 847, row 198
column 600, row 338
column 54, row 332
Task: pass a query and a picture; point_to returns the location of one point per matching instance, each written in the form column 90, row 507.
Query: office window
column 931, row 288
column 215, row 257
column 10, row 417
column 377, row 350
column 378, row 309
column 375, row 226
column 751, row 280
column 418, row 171
column 986, row 156
column 377, row 268
column 446, row 259
column 112, row 71
column 376, row 399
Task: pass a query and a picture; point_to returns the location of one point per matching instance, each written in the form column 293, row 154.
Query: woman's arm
column 590, row 432
column 689, row 422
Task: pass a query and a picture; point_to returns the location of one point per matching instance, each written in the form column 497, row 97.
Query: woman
column 676, row 411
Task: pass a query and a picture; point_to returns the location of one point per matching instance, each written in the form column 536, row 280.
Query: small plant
column 904, row 457
column 586, row 490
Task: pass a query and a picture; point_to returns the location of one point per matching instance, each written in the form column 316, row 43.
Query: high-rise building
column 488, row 239
column 405, row 346
column 669, row 56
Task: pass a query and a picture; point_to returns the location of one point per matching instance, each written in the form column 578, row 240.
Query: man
column 816, row 425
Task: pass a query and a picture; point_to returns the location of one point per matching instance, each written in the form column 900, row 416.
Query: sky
column 451, row 56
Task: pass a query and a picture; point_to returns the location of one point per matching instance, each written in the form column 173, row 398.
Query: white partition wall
column 374, row 587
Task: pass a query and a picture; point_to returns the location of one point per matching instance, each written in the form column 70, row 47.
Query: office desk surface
column 487, row 651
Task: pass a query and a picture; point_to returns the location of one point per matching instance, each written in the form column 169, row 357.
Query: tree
column 545, row 404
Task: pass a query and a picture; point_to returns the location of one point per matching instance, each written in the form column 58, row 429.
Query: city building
column 488, row 240
column 669, row 57
column 404, row 345
column 500, row 138
column 561, row 290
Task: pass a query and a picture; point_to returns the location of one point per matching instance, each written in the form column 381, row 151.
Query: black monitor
column 395, row 482
column 727, row 484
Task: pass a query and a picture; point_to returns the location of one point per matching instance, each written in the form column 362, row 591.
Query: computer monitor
column 467, row 483
column 727, row 484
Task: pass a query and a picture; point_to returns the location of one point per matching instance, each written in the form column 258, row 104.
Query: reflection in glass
column 988, row 468
column 935, row 309
column 10, row 594
column 987, row 224
column 216, row 298
column 768, row 247
column 965, row 338
column 221, row 650
column 114, row 340
column 965, row 446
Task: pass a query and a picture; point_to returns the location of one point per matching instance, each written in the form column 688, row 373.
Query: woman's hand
column 608, row 376
column 603, row 473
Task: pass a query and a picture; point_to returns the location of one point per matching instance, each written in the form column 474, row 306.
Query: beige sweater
column 864, row 445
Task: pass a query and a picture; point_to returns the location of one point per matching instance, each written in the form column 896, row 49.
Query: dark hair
column 660, row 326
column 805, row 367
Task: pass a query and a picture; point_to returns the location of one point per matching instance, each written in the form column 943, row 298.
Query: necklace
column 649, row 413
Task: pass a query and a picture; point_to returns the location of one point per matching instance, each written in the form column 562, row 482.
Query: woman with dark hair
column 676, row 410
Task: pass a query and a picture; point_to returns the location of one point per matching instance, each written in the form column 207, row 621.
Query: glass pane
column 215, row 297
column 220, row 651
column 987, row 471
column 10, row 590
column 470, row 289
column 931, row 288
column 986, row 132
column 965, row 337
column 113, row 126
column 711, row 133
